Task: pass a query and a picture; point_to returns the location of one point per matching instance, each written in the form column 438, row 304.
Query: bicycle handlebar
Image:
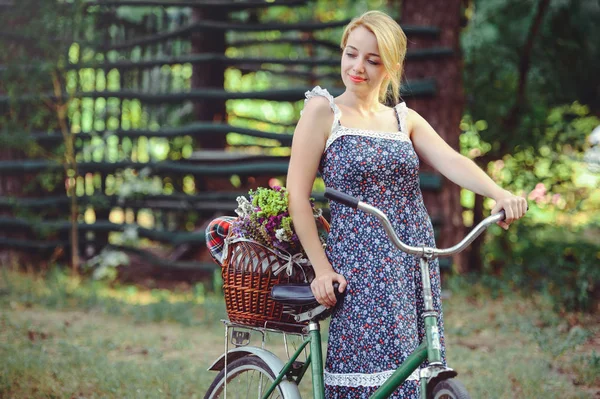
column 352, row 202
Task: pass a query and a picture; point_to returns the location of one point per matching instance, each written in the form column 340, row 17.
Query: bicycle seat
column 293, row 294
column 298, row 294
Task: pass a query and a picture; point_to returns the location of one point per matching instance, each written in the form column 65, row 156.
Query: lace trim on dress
column 363, row 380
column 346, row 131
column 337, row 113
column 402, row 111
column 337, row 130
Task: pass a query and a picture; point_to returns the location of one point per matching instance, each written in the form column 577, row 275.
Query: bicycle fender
column 288, row 388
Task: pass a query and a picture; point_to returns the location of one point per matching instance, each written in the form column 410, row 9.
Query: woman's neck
column 363, row 104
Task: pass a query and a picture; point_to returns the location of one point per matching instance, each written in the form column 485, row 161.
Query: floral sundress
column 379, row 322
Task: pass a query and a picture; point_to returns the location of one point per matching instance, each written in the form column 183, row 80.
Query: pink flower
column 538, row 193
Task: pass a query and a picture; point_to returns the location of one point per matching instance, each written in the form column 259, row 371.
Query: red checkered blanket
column 216, row 232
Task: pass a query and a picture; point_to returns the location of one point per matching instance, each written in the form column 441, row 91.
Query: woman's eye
column 351, row 55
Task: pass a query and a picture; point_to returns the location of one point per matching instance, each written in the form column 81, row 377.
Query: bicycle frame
column 430, row 350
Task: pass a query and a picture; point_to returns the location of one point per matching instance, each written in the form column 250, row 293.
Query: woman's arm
column 460, row 169
column 308, row 144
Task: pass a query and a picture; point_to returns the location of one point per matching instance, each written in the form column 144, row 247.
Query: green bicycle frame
column 430, row 350
column 314, row 361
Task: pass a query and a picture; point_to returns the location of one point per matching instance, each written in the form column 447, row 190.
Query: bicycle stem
column 432, row 333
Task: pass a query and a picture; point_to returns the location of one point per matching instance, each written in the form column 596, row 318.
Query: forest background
column 532, row 102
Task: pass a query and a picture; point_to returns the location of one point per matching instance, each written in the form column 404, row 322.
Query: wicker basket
column 249, row 272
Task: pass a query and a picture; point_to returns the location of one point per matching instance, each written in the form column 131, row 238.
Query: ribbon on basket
column 291, row 260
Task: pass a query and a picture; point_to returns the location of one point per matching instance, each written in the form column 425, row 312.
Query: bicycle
column 247, row 365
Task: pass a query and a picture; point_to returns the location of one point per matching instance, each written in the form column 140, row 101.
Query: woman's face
column 362, row 68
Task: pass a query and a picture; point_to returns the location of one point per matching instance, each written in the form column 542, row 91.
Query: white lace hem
column 363, row 380
column 347, row 131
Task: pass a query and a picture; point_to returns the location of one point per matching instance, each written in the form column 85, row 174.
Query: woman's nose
column 359, row 66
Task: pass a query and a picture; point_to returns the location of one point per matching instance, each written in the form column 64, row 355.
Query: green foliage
column 133, row 183
column 555, row 161
column 548, row 251
column 550, row 259
column 269, row 202
column 105, row 264
column 564, row 54
column 556, row 158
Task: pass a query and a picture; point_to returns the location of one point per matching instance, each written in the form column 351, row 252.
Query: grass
column 62, row 337
column 514, row 347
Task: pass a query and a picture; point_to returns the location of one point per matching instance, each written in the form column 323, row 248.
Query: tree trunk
column 209, row 75
column 444, row 110
column 475, row 260
column 16, row 118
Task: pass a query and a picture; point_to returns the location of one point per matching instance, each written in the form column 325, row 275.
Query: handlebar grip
column 503, row 214
column 336, row 290
column 340, row 197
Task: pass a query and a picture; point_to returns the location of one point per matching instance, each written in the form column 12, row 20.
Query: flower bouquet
column 265, row 218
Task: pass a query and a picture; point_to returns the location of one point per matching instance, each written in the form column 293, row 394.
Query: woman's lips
column 356, row 79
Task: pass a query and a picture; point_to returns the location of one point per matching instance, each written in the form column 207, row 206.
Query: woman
column 369, row 150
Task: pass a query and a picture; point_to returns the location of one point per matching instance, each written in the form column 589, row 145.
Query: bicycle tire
column 450, row 389
column 241, row 374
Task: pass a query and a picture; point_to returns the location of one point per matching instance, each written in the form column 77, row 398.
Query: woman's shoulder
column 320, row 101
column 412, row 119
column 320, row 107
column 318, row 91
column 317, row 106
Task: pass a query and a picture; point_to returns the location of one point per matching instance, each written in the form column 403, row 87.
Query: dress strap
column 337, row 113
column 401, row 113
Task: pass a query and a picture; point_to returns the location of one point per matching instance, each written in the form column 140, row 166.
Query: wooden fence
column 138, row 96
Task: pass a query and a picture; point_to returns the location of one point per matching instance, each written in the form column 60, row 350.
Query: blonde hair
column 392, row 48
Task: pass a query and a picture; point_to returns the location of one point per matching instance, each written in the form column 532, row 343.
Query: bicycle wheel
column 450, row 389
column 247, row 377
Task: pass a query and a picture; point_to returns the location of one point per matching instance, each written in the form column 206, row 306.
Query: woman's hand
column 514, row 208
column 322, row 287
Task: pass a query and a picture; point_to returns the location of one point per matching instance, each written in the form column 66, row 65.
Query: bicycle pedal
column 297, row 365
column 295, row 370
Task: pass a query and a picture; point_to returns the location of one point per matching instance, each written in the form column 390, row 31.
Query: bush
column 549, row 259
